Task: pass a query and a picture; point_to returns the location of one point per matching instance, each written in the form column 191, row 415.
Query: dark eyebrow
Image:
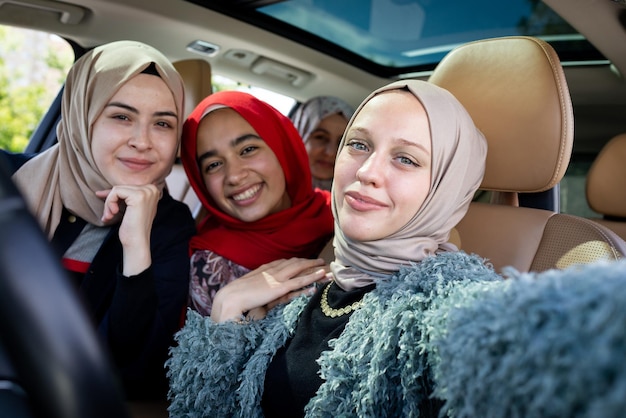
column 136, row 111
column 233, row 143
column 166, row 113
column 123, row 106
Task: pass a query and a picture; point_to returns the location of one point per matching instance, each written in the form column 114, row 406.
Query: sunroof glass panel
column 409, row 33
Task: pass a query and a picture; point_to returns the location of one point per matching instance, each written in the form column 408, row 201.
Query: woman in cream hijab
column 99, row 196
column 408, row 166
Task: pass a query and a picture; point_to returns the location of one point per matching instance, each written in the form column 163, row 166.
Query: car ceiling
column 598, row 92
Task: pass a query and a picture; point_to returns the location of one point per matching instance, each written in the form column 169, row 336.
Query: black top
column 292, row 377
column 136, row 317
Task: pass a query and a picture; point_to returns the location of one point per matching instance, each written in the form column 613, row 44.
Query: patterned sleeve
column 209, row 273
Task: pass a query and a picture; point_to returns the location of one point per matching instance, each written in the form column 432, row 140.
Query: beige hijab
column 458, row 164
column 66, row 174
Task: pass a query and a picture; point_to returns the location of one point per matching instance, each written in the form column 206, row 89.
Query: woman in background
column 321, row 122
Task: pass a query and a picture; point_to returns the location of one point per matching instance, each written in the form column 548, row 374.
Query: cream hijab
column 66, row 174
column 458, row 164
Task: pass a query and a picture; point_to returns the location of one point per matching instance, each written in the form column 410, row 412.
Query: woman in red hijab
column 248, row 165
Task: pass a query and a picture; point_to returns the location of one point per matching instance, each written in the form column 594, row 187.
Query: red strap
column 75, row 265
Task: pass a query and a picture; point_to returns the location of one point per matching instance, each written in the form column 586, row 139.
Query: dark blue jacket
column 136, row 316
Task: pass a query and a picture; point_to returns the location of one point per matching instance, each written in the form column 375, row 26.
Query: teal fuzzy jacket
column 376, row 368
column 547, row 345
column 535, row 345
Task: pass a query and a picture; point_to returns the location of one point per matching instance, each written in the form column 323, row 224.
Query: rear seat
column 605, row 190
column 196, row 74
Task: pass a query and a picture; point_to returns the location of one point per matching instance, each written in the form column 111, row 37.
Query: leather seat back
column 515, row 90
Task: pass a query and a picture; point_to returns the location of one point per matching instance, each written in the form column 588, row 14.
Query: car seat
column 196, row 74
column 605, row 185
column 515, row 90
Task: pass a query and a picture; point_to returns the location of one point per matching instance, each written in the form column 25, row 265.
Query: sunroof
column 397, row 36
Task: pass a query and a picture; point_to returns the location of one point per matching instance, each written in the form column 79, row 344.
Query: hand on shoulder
column 269, row 285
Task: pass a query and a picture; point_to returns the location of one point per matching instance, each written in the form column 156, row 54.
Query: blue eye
column 359, row 146
column 407, row 161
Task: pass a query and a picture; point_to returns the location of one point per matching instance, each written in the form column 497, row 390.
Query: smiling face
column 382, row 173
column 240, row 171
column 322, row 143
column 134, row 139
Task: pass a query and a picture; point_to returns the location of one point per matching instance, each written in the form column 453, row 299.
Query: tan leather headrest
column 196, row 74
column 606, row 189
column 515, row 90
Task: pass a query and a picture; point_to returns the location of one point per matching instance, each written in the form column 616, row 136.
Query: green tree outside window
column 22, row 102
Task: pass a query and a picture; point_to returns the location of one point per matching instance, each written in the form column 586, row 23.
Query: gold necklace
column 332, row 312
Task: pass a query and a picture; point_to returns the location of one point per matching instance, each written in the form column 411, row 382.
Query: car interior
column 544, row 81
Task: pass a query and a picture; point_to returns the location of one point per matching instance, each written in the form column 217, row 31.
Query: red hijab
column 299, row 231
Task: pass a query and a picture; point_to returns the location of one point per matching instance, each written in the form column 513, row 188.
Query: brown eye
column 249, row 149
column 211, row 166
column 164, row 124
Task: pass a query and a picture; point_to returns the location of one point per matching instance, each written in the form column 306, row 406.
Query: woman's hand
column 263, row 288
column 137, row 206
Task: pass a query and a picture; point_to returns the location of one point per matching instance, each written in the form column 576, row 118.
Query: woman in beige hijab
column 408, row 166
column 99, row 196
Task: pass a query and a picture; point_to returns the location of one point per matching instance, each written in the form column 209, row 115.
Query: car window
column 33, row 66
column 573, row 199
column 281, row 102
